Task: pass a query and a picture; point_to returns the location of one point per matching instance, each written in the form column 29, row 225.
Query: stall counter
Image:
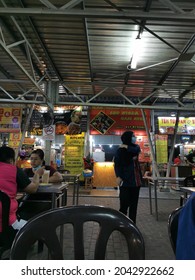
column 104, row 175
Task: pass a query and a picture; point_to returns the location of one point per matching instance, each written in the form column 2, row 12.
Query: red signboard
column 114, row 121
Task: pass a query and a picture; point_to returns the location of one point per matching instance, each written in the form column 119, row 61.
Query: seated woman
column 16, row 181
column 37, row 161
column 29, row 209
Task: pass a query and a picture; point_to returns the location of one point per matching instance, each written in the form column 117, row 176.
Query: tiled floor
column 155, row 232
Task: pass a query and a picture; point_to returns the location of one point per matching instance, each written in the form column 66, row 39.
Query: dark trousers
column 129, row 199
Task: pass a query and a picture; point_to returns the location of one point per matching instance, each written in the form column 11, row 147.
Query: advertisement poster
column 68, row 123
column 114, row 121
column 161, row 148
column 143, row 142
column 74, row 153
column 10, row 120
column 14, row 140
column 185, row 126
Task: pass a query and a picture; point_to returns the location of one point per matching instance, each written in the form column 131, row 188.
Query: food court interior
column 74, row 75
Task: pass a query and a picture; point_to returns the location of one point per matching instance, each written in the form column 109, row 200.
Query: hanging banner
column 10, row 119
column 161, row 148
column 74, row 152
column 114, row 121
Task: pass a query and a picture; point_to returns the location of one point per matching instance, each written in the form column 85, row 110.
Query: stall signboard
column 29, row 141
column 69, row 122
column 14, row 140
column 185, row 125
column 75, row 140
column 161, row 148
column 10, row 120
column 74, row 152
column 145, row 155
column 114, row 121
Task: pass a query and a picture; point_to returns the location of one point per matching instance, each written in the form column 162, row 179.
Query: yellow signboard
column 161, row 148
column 185, row 125
column 74, row 152
column 14, row 140
column 10, row 119
column 77, row 139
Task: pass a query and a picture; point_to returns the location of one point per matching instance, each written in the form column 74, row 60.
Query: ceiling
column 80, row 52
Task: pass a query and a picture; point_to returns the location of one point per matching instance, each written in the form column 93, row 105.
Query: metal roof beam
column 48, row 4
column 172, row 6
column 22, row 69
column 97, row 14
column 71, row 4
column 156, row 107
column 129, row 106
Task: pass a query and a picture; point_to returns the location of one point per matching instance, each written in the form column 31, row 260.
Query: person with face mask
column 128, row 173
column 36, row 206
column 37, row 161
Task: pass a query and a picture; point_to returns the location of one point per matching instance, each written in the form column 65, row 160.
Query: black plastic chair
column 8, row 233
column 189, row 181
column 43, row 227
column 173, row 227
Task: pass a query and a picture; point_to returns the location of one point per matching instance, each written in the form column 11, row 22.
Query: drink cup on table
column 45, row 176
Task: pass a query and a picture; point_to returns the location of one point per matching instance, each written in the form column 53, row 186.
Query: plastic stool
column 88, row 182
